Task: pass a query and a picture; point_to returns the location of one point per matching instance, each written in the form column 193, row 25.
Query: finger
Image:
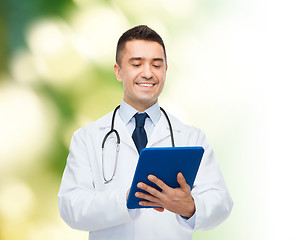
column 182, row 182
column 158, row 182
column 146, row 197
column 154, row 192
column 160, row 209
column 149, row 204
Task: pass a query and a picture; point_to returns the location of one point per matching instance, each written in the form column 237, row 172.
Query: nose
column 146, row 71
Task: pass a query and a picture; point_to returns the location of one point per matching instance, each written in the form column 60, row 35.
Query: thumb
column 159, row 209
column 183, row 184
column 127, row 193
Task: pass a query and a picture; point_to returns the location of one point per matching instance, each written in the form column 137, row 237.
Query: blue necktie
column 139, row 135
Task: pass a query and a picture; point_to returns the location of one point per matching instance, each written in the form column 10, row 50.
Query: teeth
column 146, row 84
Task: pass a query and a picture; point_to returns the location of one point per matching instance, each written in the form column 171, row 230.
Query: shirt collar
column 127, row 112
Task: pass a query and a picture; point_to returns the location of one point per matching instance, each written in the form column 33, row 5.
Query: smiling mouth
column 146, row 84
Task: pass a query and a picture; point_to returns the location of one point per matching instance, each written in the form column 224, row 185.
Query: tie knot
column 140, row 119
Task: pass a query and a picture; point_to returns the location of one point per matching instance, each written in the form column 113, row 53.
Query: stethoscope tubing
column 113, row 130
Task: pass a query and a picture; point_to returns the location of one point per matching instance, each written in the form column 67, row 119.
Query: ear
column 117, row 72
column 166, row 69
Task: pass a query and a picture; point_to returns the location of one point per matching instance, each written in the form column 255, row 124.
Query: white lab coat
column 86, row 203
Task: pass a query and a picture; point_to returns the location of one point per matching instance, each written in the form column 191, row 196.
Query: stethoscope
column 118, row 143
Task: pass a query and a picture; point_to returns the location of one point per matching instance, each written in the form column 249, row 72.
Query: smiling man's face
column 143, row 72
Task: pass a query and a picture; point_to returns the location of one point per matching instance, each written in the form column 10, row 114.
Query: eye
column 136, row 64
column 156, row 66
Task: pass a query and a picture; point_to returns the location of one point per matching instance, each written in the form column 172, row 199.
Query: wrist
column 191, row 211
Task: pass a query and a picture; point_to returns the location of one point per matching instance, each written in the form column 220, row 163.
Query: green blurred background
column 231, row 72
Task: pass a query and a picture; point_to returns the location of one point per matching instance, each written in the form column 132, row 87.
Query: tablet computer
column 164, row 163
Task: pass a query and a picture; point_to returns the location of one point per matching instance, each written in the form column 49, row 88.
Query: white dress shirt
column 127, row 113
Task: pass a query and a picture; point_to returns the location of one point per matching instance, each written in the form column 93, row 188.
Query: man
column 95, row 186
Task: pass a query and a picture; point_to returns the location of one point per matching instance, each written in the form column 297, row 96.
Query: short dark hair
column 141, row 32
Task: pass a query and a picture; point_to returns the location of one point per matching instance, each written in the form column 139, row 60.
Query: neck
column 139, row 106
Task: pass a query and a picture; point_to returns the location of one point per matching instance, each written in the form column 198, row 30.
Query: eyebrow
column 140, row 58
column 158, row 59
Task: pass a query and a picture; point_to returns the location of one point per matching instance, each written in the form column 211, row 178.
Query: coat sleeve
column 80, row 205
column 212, row 199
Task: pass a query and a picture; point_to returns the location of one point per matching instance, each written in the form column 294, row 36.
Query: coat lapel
column 161, row 131
column 120, row 127
column 123, row 132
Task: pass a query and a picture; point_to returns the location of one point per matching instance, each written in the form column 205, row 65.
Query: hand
column 176, row 200
column 158, row 209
